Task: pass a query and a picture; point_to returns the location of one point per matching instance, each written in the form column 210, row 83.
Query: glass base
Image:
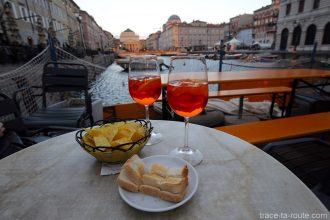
column 155, row 138
column 192, row 156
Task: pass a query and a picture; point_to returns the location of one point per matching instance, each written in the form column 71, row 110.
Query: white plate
column 153, row 204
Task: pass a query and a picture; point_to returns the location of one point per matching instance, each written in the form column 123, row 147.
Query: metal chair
column 309, row 159
column 17, row 136
column 59, row 78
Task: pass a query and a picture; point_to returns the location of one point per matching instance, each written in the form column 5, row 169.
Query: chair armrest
column 278, row 144
column 51, row 128
column 15, row 94
column 62, row 128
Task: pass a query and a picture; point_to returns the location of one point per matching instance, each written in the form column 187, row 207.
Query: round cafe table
column 56, row 179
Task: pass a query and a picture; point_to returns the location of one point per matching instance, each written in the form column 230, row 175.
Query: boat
column 268, row 58
column 325, row 63
column 233, row 56
column 124, row 63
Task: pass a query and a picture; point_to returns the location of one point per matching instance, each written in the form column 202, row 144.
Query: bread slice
column 174, row 184
column 152, row 180
column 158, row 169
column 170, row 184
column 178, row 172
column 163, row 171
column 172, row 197
column 125, row 183
column 134, row 168
column 157, row 180
column 150, row 190
column 168, row 196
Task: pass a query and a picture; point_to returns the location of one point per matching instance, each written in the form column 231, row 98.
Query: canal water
column 112, row 85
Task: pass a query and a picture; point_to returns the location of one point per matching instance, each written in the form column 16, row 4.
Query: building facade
column 34, row 20
column 143, row 44
column 130, row 41
column 152, row 42
column 92, row 33
column 110, row 43
column 302, row 23
column 264, row 24
column 194, row 36
column 226, row 32
column 239, row 22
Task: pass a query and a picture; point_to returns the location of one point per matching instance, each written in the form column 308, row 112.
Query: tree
column 10, row 27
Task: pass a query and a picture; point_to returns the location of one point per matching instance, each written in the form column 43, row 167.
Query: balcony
column 271, row 29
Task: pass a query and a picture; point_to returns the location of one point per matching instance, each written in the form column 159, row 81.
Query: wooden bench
column 274, row 91
column 262, row 132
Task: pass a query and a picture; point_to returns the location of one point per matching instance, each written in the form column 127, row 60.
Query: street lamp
column 79, row 19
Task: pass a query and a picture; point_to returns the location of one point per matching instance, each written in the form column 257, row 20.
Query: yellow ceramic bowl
column 117, row 154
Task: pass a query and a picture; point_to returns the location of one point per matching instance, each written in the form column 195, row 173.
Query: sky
column 147, row 16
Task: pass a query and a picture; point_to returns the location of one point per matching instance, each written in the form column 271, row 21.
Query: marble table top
column 57, row 179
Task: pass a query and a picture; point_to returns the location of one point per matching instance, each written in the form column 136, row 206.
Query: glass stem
column 147, row 112
column 186, row 132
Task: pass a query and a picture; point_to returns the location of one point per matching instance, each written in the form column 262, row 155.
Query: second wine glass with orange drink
column 187, row 94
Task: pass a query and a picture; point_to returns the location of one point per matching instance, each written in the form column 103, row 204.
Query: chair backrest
column 66, row 77
column 10, row 115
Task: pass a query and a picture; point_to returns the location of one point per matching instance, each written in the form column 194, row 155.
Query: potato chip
column 141, row 131
column 120, row 141
column 110, row 133
column 94, row 132
column 119, row 124
column 124, row 132
column 88, row 140
column 114, row 134
column 101, row 141
column 137, row 136
column 134, row 125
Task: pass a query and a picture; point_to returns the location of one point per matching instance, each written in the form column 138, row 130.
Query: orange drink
column 145, row 90
column 187, row 97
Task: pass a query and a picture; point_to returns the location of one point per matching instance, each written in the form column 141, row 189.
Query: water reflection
column 112, row 85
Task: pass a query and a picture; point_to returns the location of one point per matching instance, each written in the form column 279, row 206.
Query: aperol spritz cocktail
column 187, row 97
column 144, row 84
column 145, row 90
column 187, row 94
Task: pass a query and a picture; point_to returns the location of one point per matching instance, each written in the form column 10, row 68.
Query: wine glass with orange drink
column 144, row 85
column 187, row 95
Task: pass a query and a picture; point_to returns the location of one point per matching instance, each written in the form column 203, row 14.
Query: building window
column 310, row 35
column 326, row 34
column 316, row 4
column 296, row 36
column 24, row 14
column 301, row 6
column 288, row 9
column 284, row 39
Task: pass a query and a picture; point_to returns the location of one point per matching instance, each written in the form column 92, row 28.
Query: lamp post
column 52, row 42
column 41, row 34
column 79, row 19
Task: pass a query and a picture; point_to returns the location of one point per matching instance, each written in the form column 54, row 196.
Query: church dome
column 128, row 30
column 174, row 19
